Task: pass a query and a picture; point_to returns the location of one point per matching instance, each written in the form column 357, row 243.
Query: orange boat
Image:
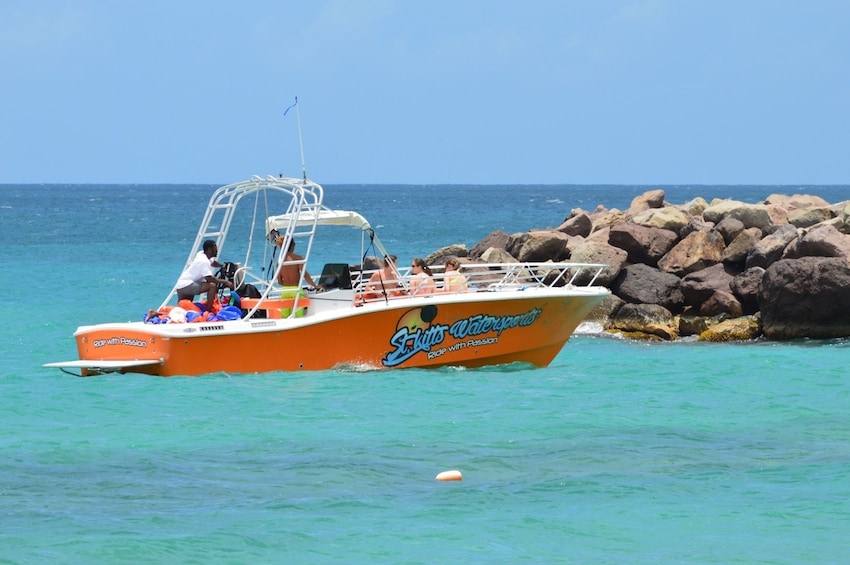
column 504, row 313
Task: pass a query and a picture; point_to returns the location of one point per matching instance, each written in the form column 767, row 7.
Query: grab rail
column 485, row 277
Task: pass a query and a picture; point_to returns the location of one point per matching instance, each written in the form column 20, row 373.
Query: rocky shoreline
column 722, row 270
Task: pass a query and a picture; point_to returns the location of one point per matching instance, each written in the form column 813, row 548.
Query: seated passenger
column 385, row 281
column 198, row 277
column 422, row 282
column 453, row 281
column 290, row 275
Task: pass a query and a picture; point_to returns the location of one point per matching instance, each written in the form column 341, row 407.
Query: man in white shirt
column 198, row 276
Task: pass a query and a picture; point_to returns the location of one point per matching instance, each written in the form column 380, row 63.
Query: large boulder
column 771, row 247
column 751, row 215
column 644, row 321
column 691, row 323
column 696, row 223
column 603, row 217
column 820, row 241
column 807, row 217
column 695, row 207
column 600, row 235
column 643, row 244
column 515, row 242
column 599, row 252
column 579, row 223
column 698, row 250
column 539, row 245
column 497, row 255
column 729, row 228
column 666, row 218
column 498, row 239
column 739, row 248
column 839, row 224
column 745, row 328
column 842, row 218
column 721, row 303
column 642, row 284
column 778, row 215
column 746, row 288
column 647, row 200
column 439, row 256
column 796, row 201
column 699, row 286
column 806, row 297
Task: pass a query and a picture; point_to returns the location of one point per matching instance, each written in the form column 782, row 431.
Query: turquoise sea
column 619, row 452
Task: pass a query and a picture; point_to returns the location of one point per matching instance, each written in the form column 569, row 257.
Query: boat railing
column 479, row 277
column 482, row 277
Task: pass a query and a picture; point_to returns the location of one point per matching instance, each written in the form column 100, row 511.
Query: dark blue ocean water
column 619, row 452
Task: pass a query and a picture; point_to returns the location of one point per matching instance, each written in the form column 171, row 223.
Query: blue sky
column 431, row 92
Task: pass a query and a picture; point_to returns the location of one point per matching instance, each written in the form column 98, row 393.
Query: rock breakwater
column 722, row 270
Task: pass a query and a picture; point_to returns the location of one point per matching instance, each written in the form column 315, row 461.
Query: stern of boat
column 117, row 348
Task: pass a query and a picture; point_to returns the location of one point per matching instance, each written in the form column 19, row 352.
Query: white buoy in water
column 453, row 475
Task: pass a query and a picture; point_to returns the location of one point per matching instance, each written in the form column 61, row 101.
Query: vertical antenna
column 301, row 142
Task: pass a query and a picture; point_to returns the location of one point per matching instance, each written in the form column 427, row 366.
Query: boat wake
column 356, row 368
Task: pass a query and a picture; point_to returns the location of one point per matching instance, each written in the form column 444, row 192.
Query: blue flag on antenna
column 291, row 107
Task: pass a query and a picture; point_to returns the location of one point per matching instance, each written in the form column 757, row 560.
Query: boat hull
column 469, row 331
